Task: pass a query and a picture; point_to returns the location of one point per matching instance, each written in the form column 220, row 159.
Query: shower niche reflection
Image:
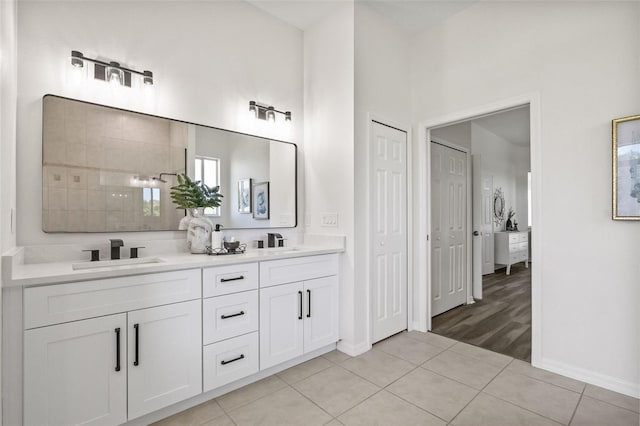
column 110, row 170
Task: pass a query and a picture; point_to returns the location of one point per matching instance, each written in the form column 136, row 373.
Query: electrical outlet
column 329, row 220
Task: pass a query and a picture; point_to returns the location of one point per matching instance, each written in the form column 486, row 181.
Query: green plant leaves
column 190, row 194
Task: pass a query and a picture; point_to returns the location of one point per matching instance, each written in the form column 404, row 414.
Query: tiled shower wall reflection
column 99, row 164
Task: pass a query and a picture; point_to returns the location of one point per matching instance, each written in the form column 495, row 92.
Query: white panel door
column 321, row 312
column 486, row 227
column 164, row 356
column 448, row 228
column 389, row 223
column 281, row 323
column 483, row 252
column 72, row 375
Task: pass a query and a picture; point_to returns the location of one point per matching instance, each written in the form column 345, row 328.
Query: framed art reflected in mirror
column 244, row 195
column 626, row 168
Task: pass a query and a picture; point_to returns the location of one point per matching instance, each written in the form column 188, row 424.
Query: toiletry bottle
column 216, row 237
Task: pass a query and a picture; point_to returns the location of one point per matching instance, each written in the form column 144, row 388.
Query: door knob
column 476, row 233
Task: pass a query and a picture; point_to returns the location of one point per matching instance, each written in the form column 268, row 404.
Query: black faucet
column 115, row 249
column 271, row 239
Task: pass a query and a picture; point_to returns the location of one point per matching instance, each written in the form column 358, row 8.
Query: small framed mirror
column 626, row 168
column 498, row 207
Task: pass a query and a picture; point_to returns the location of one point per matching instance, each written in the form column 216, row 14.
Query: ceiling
column 410, row 15
column 302, row 14
column 414, row 15
column 512, row 125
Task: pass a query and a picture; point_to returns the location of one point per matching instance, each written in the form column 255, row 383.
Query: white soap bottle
column 216, row 237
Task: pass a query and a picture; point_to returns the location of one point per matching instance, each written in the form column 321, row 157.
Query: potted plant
column 511, row 214
column 194, row 197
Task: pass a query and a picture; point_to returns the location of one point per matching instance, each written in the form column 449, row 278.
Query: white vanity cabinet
column 297, row 317
column 76, row 373
column 511, row 247
column 106, row 366
column 230, row 316
column 164, row 356
column 107, row 351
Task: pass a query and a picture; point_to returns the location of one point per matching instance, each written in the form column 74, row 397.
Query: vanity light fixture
column 267, row 113
column 111, row 72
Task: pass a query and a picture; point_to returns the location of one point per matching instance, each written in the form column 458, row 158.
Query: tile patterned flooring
column 415, row 379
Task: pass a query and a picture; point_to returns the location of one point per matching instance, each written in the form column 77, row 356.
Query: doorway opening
column 480, row 228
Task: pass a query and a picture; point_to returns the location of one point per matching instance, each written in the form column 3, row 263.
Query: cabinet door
column 164, row 356
column 71, row 374
column 281, row 319
column 321, row 312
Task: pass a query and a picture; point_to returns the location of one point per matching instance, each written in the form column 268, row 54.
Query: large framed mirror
column 106, row 169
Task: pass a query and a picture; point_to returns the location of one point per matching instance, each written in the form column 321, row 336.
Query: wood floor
column 501, row 322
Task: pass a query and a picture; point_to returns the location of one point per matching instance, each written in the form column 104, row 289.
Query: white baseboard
column 587, row 376
column 353, row 350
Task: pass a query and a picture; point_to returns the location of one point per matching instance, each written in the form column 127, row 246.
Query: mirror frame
column 295, row 147
column 498, row 215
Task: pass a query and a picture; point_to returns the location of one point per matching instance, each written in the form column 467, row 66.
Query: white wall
column 8, row 100
column 209, row 60
column 508, row 164
column 328, row 147
column 458, row 134
column 582, row 58
column 381, row 92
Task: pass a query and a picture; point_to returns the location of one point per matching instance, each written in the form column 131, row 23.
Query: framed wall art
column 260, row 200
column 626, row 168
column 244, row 195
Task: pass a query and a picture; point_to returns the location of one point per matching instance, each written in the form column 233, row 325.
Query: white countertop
column 17, row 274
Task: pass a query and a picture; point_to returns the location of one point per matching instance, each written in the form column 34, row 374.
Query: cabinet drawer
column 284, row 271
column 518, row 237
column 519, row 256
column 230, row 360
column 522, row 247
column 60, row 303
column 229, row 316
column 229, row 279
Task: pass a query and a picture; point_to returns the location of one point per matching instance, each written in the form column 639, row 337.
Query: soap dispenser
column 216, row 237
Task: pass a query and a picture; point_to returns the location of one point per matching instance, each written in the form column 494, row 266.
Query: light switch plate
column 329, row 220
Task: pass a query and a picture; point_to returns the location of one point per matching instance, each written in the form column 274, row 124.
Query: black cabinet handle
column 137, row 329
column 232, row 315
column 309, row 306
column 300, row 306
column 223, row 362
column 117, row 330
column 224, row 280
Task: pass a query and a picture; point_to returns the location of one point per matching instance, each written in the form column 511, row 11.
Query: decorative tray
column 223, row 252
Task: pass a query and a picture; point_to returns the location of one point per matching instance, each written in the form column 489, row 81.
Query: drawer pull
column 224, row 280
column 136, row 360
column 232, row 315
column 117, row 330
column 223, row 362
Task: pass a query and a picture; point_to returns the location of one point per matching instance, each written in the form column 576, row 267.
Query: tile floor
column 415, row 379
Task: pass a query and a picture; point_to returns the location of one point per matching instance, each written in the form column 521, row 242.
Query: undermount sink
column 115, row 263
column 281, row 250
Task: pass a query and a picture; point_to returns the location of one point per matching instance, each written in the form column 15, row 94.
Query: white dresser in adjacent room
column 511, row 247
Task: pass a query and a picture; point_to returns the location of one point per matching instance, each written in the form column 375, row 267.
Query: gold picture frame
column 626, row 168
